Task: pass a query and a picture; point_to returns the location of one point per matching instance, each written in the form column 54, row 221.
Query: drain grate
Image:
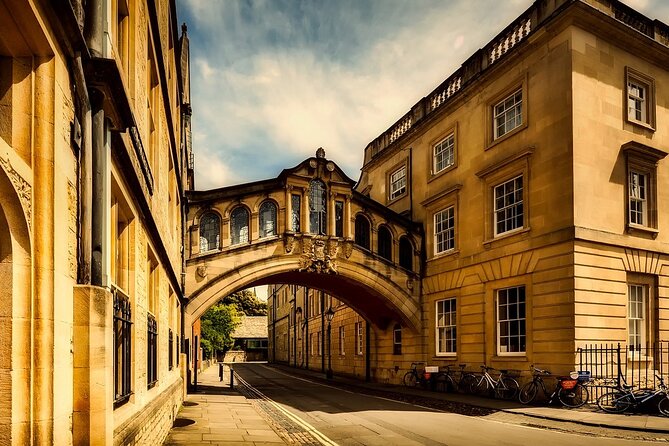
column 182, row 422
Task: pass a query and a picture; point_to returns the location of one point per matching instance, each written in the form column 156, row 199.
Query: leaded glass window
column 267, row 219
column 239, row 226
column 317, row 208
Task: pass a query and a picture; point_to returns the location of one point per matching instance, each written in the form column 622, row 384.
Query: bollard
column 220, row 371
column 232, row 378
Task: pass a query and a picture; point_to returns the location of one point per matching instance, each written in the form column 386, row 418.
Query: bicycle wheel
column 466, row 383
column 480, row 386
column 506, row 388
column 409, row 379
column 575, row 397
column 444, row 383
column 528, row 392
column 614, row 402
column 663, row 406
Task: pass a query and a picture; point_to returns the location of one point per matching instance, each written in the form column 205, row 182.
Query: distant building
column 250, row 339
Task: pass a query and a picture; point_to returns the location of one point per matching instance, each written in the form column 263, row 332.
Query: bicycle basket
column 568, row 384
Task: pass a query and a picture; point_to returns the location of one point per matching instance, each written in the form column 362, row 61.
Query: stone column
column 305, row 211
column 289, row 209
column 331, row 210
column 347, row 218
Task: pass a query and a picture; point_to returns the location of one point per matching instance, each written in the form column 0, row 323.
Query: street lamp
column 329, row 315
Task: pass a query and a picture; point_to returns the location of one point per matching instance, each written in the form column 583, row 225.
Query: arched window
column 385, row 243
column 406, row 253
column 397, row 339
column 267, row 219
column 210, row 232
column 239, row 226
column 362, row 231
column 317, row 208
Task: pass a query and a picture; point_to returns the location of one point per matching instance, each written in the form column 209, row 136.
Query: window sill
column 445, row 355
column 507, row 135
column 451, row 252
column 487, row 243
column 442, row 172
column 632, row 229
column 396, row 199
column 643, row 124
column 517, row 357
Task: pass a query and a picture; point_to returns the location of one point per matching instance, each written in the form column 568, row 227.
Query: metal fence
column 617, row 364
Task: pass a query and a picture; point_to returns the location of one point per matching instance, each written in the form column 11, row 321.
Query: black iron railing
column 152, row 351
column 122, row 347
column 617, row 364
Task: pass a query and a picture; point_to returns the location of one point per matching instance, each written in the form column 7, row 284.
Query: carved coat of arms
column 319, row 256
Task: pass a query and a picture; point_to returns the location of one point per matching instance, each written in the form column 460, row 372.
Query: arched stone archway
column 363, row 288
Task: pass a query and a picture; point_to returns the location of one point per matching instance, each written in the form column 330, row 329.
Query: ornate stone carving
column 319, row 256
column 348, row 248
column 22, row 187
column 320, row 153
column 202, row 271
column 288, row 242
column 72, row 214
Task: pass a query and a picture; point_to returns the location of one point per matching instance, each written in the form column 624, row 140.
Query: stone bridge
column 308, row 227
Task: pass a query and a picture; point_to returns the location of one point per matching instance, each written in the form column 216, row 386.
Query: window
column 317, row 208
column 642, row 162
column 210, row 232
column 511, row 320
column 342, row 338
column 508, row 204
column 319, row 343
column 640, row 97
column 445, row 327
column 443, row 154
column 358, row 338
column 406, row 253
column 636, row 317
column 151, row 351
column 638, row 206
column 314, row 344
column 339, row 218
column 397, row 339
column 385, row 243
column 239, row 226
column 508, row 114
column 152, row 282
column 398, row 182
column 121, row 217
column 170, row 349
column 267, row 219
column 122, row 347
column 362, row 231
column 296, row 207
column 444, row 230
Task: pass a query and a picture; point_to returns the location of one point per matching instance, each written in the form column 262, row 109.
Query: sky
column 273, row 80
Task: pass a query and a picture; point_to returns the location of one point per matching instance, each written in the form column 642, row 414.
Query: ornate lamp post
column 329, row 315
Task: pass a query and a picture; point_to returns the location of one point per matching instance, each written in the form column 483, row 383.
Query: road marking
column 322, row 438
column 431, row 409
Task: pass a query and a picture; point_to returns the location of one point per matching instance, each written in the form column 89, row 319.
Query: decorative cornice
column 22, row 187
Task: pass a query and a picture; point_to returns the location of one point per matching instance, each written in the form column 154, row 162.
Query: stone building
column 537, row 171
column 94, row 155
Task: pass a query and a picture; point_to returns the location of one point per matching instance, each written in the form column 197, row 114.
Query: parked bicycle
column 503, row 387
column 414, row 378
column 446, row 380
column 568, row 391
column 624, row 397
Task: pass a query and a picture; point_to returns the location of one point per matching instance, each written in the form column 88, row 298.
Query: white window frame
column 508, row 111
column 637, row 316
column 509, row 320
column 398, row 182
column 397, row 331
column 445, row 325
column 638, row 198
column 358, row 338
column 513, row 206
column 444, row 230
column 342, row 340
column 443, row 153
column 637, row 101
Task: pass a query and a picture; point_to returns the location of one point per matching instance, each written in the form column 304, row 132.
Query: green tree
column 246, row 303
column 217, row 325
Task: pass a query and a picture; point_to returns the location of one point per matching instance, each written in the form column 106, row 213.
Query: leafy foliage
column 246, row 303
column 217, row 325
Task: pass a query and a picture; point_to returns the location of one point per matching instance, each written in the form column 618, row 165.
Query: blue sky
column 273, row 80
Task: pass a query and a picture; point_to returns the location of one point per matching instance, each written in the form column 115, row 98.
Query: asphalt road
column 316, row 413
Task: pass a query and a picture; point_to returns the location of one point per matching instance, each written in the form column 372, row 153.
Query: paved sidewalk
column 222, row 417
column 587, row 416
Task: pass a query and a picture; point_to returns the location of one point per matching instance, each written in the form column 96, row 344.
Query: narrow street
column 316, row 413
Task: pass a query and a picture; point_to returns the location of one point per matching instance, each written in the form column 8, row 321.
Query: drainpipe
column 322, row 331
column 94, row 34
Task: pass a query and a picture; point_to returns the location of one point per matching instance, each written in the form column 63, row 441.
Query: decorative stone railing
column 498, row 48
